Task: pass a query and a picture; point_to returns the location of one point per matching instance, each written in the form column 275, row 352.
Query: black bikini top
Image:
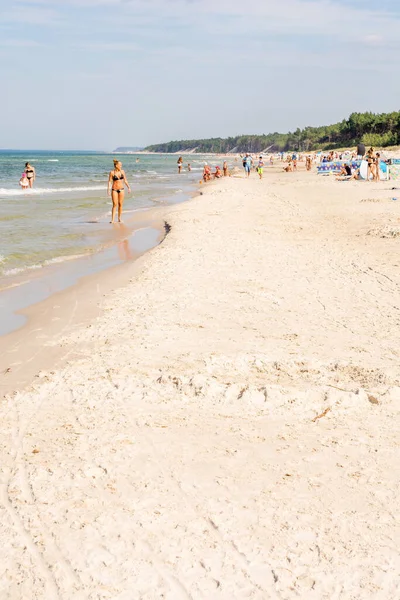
column 115, row 178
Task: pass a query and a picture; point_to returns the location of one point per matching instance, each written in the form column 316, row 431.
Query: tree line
column 372, row 129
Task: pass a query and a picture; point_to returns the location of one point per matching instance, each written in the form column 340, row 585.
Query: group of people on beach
column 117, row 180
column 258, row 165
column 180, row 165
column 208, row 174
column 374, row 160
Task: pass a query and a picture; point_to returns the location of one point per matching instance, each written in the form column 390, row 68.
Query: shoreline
column 227, row 424
column 20, row 291
column 43, row 228
column 24, row 351
column 23, row 287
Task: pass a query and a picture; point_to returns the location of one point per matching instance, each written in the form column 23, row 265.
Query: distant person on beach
column 23, row 182
column 289, row 167
column 345, row 171
column 189, row 167
column 377, row 176
column 206, row 173
column 360, row 151
column 260, row 167
column 371, row 160
column 217, row 173
column 116, row 181
column 308, row 163
column 248, row 163
column 225, row 168
column 30, row 174
column 180, row 164
column 346, row 174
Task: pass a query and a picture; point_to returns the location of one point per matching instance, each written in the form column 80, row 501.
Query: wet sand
column 59, row 298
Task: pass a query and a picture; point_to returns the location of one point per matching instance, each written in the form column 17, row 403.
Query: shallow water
column 68, row 211
column 57, row 277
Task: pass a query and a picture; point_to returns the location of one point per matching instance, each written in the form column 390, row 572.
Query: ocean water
column 67, row 213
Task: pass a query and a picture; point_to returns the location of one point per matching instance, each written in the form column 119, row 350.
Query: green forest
column 378, row 130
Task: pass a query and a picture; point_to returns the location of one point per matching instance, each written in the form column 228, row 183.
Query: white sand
column 229, row 427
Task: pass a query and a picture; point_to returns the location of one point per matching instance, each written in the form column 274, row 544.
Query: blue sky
column 96, row 74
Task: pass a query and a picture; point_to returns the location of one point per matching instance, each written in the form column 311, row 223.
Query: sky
column 97, row 74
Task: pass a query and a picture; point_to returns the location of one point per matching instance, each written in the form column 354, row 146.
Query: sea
column 67, row 213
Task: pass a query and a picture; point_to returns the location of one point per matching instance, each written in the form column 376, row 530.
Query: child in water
column 23, row 182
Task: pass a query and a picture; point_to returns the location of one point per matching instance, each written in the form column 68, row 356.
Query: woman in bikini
column 370, row 157
column 30, row 174
column 116, row 182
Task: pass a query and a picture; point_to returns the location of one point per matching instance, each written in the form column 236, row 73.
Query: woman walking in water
column 116, row 182
column 180, row 164
column 30, row 174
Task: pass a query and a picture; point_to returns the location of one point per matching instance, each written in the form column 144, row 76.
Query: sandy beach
column 226, row 424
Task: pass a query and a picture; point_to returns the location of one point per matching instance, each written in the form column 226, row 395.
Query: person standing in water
column 116, row 181
column 30, row 174
column 180, row 164
column 225, row 168
column 23, row 182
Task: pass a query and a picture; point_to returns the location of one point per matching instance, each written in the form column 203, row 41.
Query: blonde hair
column 116, row 162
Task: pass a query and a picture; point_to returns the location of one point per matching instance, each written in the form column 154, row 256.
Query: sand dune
column 228, row 426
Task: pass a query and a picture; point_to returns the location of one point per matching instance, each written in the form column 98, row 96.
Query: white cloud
column 43, row 15
column 185, row 64
column 297, row 17
column 373, row 40
column 11, row 43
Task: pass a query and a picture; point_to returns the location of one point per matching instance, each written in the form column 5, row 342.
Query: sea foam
column 39, row 191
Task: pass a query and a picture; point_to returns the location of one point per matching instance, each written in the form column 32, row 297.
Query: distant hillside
column 370, row 128
column 128, row 149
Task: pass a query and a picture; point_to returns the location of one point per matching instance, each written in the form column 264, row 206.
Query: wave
column 17, row 270
column 53, row 160
column 45, row 263
column 39, row 191
column 61, row 259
